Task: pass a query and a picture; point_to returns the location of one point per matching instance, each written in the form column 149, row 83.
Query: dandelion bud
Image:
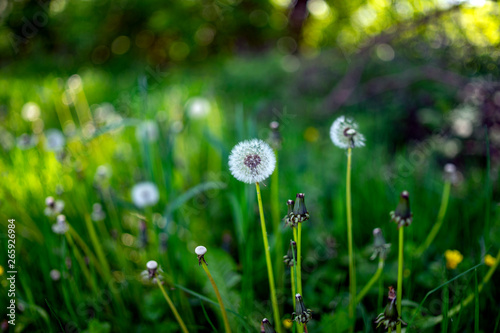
column 379, row 245
column 266, row 327
column 299, row 210
column 402, row 215
column 200, row 251
column 390, row 317
column 288, row 259
column 289, row 218
column 302, row 314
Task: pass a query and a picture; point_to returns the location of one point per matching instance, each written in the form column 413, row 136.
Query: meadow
column 115, row 175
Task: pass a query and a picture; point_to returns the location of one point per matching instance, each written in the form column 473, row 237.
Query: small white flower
column 344, row 133
column 61, row 227
column 54, row 140
column 53, row 207
column 55, row 275
column 147, row 131
column 145, row 194
column 252, row 161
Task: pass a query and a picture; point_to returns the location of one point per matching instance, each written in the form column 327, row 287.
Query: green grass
column 201, row 203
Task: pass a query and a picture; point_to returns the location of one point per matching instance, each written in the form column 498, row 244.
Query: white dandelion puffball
column 54, row 140
column 252, row 161
column 198, row 107
column 60, row 227
column 30, row 112
column 200, row 250
column 344, row 133
column 145, row 194
column 148, row 131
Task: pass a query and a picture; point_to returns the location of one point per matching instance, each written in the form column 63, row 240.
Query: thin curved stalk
column 400, row 276
column 352, row 270
column 372, row 281
column 219, row 298
column 270, row 275
column 172, row 307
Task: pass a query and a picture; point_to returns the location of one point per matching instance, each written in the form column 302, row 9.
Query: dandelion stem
column 370, row 283
column 275, row 214
column 219, row 298
column 400, row 276
column 352, row 271
column 439, row 222
column 270, row 276
column 172, row 307
column 294, row 292
column 297, row 271
column 299, row 260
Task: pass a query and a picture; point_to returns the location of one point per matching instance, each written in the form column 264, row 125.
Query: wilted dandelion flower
column 380, row 248
column 288, row 259
column 151, row 274
column 266, row 326
column 453, row 258
column 54, row 140
column 402, row 215
column 489, row 260
column 344, row 133
column 302, row 314
column 289, row 217
column 252, row 161
column 145, row 194
column 61, row 226
column 26, row 141
column 97, row 213
column 390, row 317
column 53, row 207
column 147, row 130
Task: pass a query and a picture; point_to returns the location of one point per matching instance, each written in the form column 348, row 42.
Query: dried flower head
column 390, row 317
column 288, row 219
column 53, row 206
column 402, row 215
column 252, row 161
column 145, row 194
column 54, row 140
column 266, row 327
column 200, row 251
column 302, row 314
column 453, row 258
column 151, row 274
column 380, row 248
column 344, row 133
column 288, row 259
column 61, row 226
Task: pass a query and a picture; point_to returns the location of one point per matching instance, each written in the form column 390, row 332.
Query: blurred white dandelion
column 151, row 274
column 26, row 141
column 198, row 107
column 98, row 213
column 61, row 226
column 55, row 275
column 147, row 131
column 53, row 206
column 252, row 161
column 145, row 194
column 54, row 140
column 344, row 133
column 103, row 173
column 30, row 111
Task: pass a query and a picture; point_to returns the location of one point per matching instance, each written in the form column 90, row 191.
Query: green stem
column 297, row 271
column 172, row 307
column 400, row 276
column 439, row 222
column 270, row 276
column 372, row 281
column 292, row 274
column 276, row 220
column 299, row 259
column 352, row 271
column 219, row 298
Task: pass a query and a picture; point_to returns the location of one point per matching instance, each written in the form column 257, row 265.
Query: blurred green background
column 161, row 91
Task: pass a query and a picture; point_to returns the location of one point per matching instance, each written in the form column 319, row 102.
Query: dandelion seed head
column 60, row 227
column 252, row 161
column 55, row 275
column 344, row 133
column 200, row 250
column 145, row 194
column 55, row 140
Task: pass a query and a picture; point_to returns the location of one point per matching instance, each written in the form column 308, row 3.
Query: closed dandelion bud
column 390, row 317
column 379, row 245
column 402, row 215
column 289, row 218
column 299, row 210
column 266, row 327
column 275, row 135
column 292, row 253
column 302, row 314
